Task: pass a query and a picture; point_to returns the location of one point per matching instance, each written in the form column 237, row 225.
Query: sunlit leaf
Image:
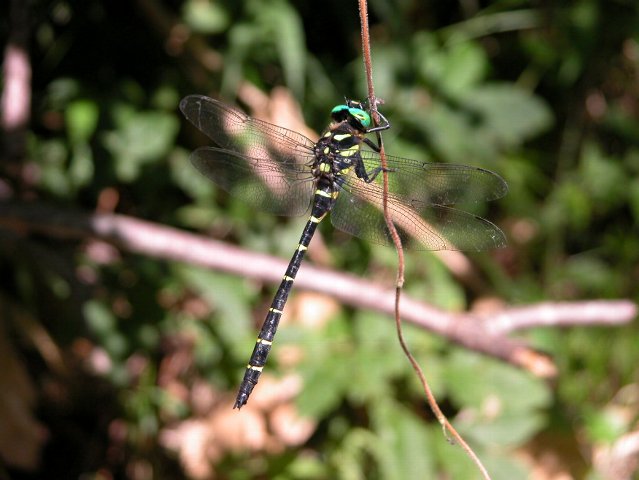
column 81, row 118
column 406, row 442
column 507, row 115
column 141, row 138
column 474, row 380
column 205, row 16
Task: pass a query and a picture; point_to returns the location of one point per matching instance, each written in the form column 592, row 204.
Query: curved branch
column 482, row 333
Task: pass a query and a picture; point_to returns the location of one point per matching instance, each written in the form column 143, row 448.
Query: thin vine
column 432, row 401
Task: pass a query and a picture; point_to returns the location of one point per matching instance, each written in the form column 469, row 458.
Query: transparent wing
column 233, row 130
column 282, row 189
column 421, row 224
column 265, row 165
column 268, row 167
column 419, row 182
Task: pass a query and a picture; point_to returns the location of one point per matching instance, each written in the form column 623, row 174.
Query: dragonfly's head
column 357, row 117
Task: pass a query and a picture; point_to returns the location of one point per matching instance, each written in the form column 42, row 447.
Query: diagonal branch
column 485, row 334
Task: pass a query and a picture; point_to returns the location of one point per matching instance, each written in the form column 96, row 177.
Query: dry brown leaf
column 21, row 435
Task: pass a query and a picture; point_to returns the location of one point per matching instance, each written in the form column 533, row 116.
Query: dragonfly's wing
column 265, row 165
column 421, row 226
column 280, row 188
column 419, row 182
column 233, row 130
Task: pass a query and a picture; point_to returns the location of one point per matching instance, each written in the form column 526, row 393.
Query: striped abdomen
column 322, row 203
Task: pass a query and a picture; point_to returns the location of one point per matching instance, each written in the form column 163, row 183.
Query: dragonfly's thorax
column 338, row 150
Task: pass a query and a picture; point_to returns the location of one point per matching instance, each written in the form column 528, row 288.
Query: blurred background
column 118, row 362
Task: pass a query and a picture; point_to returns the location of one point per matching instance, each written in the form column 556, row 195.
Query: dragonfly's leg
column 384, row 126
column 360, row 170
column 371, row 144
column 368, row 177
column 376, row 172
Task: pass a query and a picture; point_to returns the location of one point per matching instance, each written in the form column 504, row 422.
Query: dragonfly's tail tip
column 239, row 403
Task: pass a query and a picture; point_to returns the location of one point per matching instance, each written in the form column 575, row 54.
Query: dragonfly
column 284, row 172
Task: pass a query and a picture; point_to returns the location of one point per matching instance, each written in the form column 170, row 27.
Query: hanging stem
column 372, row 100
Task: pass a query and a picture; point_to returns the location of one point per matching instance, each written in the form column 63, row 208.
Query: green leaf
column 440, row 287
column 570, row 205
column 508, row 115
column 140, row 138
column 406, row 442
column 358, row 455
column 455, row 462
column 281, row 26
column 603, row 177
column 52, row 156
column 466, row 65
column 590, row 273
column 61, row 91
column 186, row 177
column 205, row 16
column 81, row 169
column 225, row 293
column 510, row 430
column 100, row 320
column 453, row 69
column 451, row 134
column 452, row 459
column 325, row 378
column 103, row 324
column 502, row 404
column 290, row 42
column 324, row 385
column 474, row 380
column 607, row 425
column 81, row 118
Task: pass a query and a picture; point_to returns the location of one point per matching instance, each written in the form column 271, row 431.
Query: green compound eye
column 363, row 117
column 340, row 111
